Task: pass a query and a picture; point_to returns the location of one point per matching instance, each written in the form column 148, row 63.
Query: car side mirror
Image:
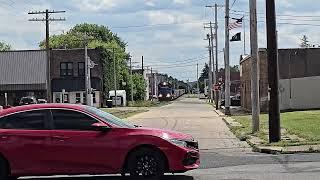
column 100, row 127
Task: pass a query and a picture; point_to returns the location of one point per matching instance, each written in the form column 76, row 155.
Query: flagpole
column 244, row 36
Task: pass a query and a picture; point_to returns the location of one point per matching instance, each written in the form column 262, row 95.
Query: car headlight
column 177, row 142
column 168, row 95
column 160, row 95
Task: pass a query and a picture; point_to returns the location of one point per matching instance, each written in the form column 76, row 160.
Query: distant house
column 22, row 73
column 68, row 75
column 299, row 84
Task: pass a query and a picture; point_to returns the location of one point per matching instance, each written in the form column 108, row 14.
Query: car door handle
column 61, row 138
column 4, row 137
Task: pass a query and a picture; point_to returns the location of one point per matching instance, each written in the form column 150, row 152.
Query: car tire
column 4, row 171
column 147, row 163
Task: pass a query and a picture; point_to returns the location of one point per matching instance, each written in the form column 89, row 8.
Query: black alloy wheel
column 147, row 163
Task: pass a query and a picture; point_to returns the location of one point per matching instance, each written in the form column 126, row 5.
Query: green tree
column 205, row 73
column 139, row 87
column 304, row 42
column 235, row 68
column 4, row 46
column 102, row 38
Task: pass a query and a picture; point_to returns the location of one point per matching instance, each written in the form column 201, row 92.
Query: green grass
column 304, row 124
column 148, row 103
column 123, row 113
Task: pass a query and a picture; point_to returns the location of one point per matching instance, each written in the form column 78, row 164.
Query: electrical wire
column 233, row 3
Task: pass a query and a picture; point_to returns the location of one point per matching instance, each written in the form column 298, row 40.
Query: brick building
column 68, row 74
column 299, row 79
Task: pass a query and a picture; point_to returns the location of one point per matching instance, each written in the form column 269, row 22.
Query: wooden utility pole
column 273, row 72
column 255, row 103
column 131, row 78
column 115, row 76
column 217, row 62
column 47, row 19
column 210, row 93
column 227, row 61
column 198, row 87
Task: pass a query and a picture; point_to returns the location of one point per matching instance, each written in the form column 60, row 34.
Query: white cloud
column 150, row 3
column 96, row 5
column 160, row 17
column 182, row 2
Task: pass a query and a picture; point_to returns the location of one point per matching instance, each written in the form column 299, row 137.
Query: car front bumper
column 182, row 159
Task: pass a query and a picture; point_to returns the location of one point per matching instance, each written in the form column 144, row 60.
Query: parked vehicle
column 28, row 100
column 67, row 139
column 234, row 100
column 42, row 101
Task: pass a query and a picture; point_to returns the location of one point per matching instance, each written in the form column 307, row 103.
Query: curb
column 221, row 114
column 275, row 150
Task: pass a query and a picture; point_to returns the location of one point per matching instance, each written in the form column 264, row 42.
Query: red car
column 64, row 139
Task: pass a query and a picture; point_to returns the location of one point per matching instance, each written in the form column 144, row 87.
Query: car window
column 31, row 120
column 72, row 120
column 110, row 119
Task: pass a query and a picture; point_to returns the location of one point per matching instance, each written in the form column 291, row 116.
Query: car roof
column 41, row 106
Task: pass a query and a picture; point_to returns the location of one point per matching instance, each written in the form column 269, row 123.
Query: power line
column 175, row 60
column 156, row 25
column 179, row 63
column 285, row 15
column 233, row 3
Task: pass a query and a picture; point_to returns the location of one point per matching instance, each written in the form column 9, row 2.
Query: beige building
column 299, row 83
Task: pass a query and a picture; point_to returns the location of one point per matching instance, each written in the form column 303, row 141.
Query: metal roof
column 23, row 67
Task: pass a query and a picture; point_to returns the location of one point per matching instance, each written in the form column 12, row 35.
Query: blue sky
column 180, row 43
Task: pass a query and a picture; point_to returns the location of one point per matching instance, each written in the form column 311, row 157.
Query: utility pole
column 152, row 80
column 47, row 19
column 244, row 36
column 227, row 62
column 210, row 93
column 198, row 89
column 142, row 63
column 254, row 67
column 115, row 76
column 213, row 67
column 217, row 62
column 87, row 71
column 273, row 72
column 131, row 78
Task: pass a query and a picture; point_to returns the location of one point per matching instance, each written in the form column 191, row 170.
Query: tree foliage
column 304, row 42
column 139, row 86
column 100, row 37
column 4, row 46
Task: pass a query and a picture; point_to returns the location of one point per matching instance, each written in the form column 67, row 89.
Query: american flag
column 236, row 24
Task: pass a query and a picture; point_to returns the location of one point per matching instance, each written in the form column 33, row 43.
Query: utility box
column 120, row 99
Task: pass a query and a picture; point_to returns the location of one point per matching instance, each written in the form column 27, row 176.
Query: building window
column 81, row 69
column 65, row 98
column 94, row 97
column 78, row 98
column 66, row 69
column 84, row 98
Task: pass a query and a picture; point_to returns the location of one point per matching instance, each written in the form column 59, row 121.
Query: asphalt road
column 223, row 157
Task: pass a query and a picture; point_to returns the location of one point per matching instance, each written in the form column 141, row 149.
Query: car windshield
column 109, row 118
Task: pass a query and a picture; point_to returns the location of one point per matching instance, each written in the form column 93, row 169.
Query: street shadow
column 168, row 177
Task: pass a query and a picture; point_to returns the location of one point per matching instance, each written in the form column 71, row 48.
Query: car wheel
column 3, row 170
column 146, row 162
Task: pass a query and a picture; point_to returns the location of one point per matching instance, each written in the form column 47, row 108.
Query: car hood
column 165, row 134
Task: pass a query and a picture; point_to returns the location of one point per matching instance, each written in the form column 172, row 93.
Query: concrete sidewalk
column 195, row 117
